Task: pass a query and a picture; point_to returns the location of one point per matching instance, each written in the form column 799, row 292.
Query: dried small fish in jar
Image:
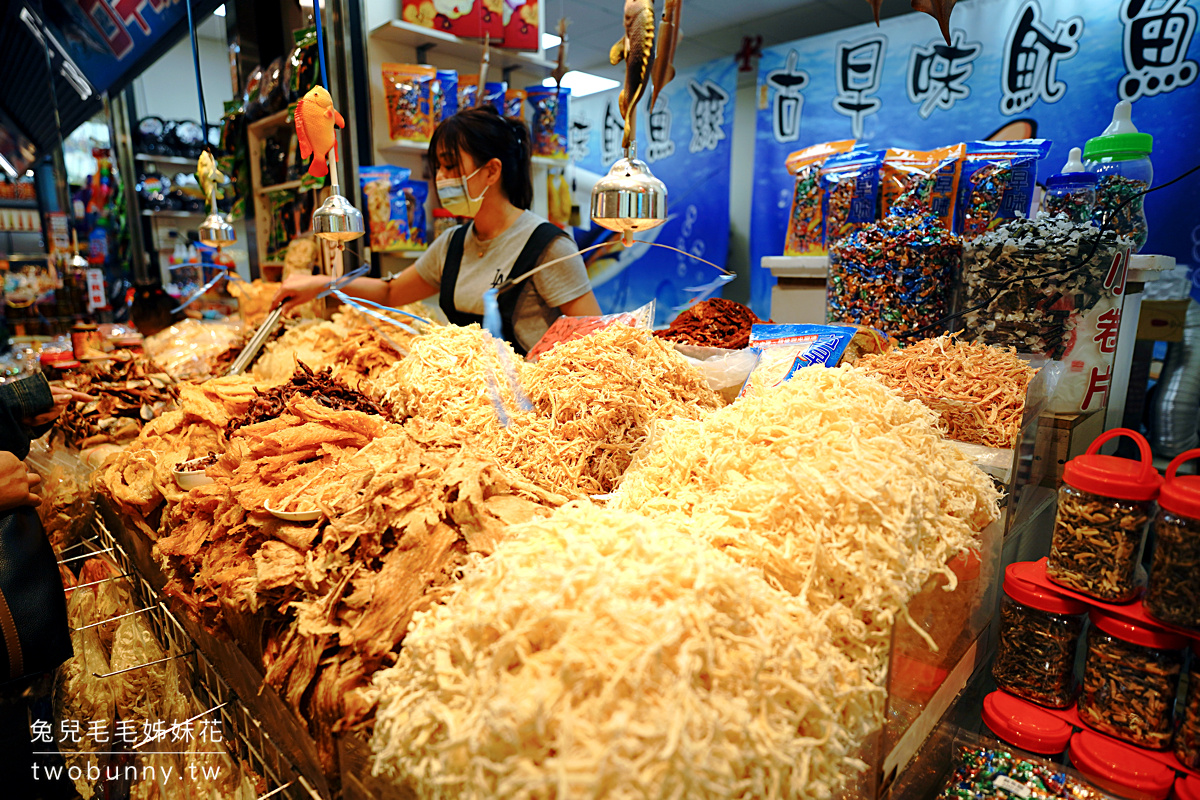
column 1187, row 738
column 1130, row 679
column 1174, row 592
column 1039, row 633
column 1104, row 507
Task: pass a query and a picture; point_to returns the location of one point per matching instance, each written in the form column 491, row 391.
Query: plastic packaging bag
column 997, row 183
column 850, row 188
column 789, row 348
column 805, row 230
column 395, row 208
column 725, row 371
column 66, row 491
column 190, row 349
column 922, row 181
column 408, row 90
column 568, row 329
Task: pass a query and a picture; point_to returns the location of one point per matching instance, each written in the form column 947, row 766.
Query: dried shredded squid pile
column 603, row 654
column 839, row 491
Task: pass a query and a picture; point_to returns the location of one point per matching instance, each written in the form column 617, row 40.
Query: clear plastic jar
column 1120, row 160
column 1174, row 591
column 1104, row 507
column 1071, row 195
column 1187, row 738
column 1039, row 633
column 1130, row 679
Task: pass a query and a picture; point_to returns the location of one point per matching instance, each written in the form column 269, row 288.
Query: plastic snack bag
column 850, row 187
column 805, row 223
column 445, row 94
column 997, row 183
column 549, row 120
column 568, row 329
column 787, row 349
column 409, row 91
column 395, row 208
column 922, row 181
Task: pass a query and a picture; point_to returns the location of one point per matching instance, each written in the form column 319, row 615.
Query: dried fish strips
column 604, row 654
column 320, row 386
column 595, row 400
column 977, row 391
column 841, row 492
column 715, row 322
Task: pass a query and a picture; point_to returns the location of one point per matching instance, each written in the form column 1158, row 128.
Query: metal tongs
column 255, row 345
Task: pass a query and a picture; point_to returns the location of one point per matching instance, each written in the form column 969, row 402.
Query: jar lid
column 1111, row 476
column 1119, row 146
column 1129, row 631
column 1072, row 180
column 1020, row 586
column 1181, row 494
column 1187, row 788
column 1107, row 761
column 1024, row 725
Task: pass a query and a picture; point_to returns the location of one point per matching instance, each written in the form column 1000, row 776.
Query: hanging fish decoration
column 636, row 48
column 207, row 174
column 315, row 118
column 938, row 9
column 669, row 32
column 560, row 68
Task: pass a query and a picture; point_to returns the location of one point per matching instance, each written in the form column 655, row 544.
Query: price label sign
column 95, row 290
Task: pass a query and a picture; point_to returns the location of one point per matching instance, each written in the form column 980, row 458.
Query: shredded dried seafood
column 130, row 391
column 320, row 386
column 715, row 322
column 837, row 489
column 604, row 654
column 977, row 390
column 399, row 516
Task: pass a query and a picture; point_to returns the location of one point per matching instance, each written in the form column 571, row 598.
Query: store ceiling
column 711, row 28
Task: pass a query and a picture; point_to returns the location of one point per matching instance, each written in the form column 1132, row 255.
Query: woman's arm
column 585, row 305
column 407, row 287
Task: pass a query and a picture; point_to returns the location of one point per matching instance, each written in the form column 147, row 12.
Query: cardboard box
column 470, row 19
column 522, row 30
column 1162, row 320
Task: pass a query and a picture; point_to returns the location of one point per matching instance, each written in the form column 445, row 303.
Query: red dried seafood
column 715, row 322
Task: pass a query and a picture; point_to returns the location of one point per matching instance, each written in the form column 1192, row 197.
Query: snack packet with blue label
column 789, row 348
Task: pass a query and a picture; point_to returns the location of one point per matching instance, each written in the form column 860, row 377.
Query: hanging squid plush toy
column 315, row 118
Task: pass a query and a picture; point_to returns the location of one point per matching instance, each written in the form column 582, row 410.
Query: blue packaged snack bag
column 788, row 348
column 395, row 208
column 445, row 100
column 850, row 187
column 549, row 120
column 997, row 183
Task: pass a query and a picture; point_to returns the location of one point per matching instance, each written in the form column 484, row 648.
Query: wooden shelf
column 276, row 120
column 18, row 203
column 147, row 212
column 399, row 32
column 175, row 160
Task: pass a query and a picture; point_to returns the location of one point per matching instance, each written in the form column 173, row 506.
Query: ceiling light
column 220, row 12
column 550, row 41
column 7, row 167
column 28, row 173
column 582, row 84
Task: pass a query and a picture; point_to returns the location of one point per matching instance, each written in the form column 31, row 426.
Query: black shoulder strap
column 450, row 270
column 537, row 243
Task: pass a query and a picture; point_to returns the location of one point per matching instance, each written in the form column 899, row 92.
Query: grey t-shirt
column 541, row 295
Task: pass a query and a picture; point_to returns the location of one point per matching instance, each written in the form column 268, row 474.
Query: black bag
column 34, row 634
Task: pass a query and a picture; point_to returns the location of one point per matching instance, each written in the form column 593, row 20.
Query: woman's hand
column 62, row 396
column 17, row 484
column 299, row 289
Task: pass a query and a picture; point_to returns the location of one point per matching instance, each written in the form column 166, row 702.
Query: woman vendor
column 482, row 166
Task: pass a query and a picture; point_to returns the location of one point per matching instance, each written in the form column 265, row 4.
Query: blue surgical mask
column 456, row 198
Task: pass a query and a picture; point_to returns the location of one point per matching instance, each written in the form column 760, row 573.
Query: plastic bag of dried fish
column 66, row 491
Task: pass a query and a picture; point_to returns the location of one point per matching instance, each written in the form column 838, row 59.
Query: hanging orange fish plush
column 315, row 118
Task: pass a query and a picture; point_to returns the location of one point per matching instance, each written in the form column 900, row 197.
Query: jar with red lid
column 1024, row 725
column 1130, row 679
column 1039, row 634
column 1174, row 591
column 1119, row 768
column 1187, row 738
column 1104, row 507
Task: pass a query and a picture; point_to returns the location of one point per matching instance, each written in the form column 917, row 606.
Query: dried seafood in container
column 602, row 653
column 1039, row 634
column 1187, row 738
column 1104, row 506
column 991, row 381
column 1174, row 591
column 715, row 322
column 1130, row 680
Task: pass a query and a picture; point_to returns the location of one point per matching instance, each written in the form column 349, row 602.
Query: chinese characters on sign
column 859, row 71
column 659, row 132
column 1157, row 36
column 125, row 731
column 614, row 129
column 788, row 84
column 708, row 115
column 937, row 73
column 1031, row 56
column 581, row 131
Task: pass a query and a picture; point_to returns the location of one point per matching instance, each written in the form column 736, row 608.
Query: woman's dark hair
column 485, row 134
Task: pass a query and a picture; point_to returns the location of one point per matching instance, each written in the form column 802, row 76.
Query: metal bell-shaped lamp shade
column 629, row 198
column 337, row 219
column 216, row 231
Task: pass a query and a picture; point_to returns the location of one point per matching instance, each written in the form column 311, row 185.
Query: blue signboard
column 687, row 143
column 1015, row 69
